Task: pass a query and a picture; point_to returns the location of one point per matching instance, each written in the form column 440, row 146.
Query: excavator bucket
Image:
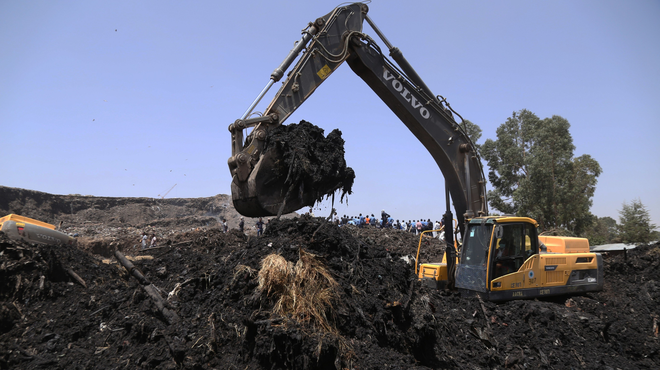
column 280, row 169
column 266, row 193
column 297, row 167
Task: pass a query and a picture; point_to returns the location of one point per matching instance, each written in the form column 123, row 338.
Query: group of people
column 387, row 222
column 259, row 225
column 384, row 222
column 145, row 239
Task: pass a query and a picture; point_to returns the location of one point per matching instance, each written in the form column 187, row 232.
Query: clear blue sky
column 128, row 98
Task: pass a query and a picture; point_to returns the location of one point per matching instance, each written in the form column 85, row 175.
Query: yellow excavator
column 19, row 227
column 500, row 258
column 503, row 258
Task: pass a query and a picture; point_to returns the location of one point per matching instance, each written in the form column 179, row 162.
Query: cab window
column 516, row 243
column 475, row 245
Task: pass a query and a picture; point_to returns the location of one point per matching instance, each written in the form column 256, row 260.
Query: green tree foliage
column 534, row 173
column 602, row 231
column 473, row 131
column 635, row 223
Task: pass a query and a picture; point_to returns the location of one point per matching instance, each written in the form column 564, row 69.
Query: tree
column 635, row 223
column 473, row 131
column 602, row 231
column 534, row 174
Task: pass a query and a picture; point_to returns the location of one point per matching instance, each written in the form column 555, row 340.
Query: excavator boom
column 334, row 39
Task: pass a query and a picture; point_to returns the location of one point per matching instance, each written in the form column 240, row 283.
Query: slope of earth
column 375, row 315
column 100, row 221
column 90, row 216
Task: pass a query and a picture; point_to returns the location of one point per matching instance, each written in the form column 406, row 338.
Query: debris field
column 305, row 295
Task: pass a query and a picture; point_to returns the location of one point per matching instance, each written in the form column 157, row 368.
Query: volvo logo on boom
column 410, row 98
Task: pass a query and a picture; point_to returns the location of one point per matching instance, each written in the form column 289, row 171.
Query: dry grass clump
column 274, row 275
column 305, row 290
column 655, row 252
column 242, row 270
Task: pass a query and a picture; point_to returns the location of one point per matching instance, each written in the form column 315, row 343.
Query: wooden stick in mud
column 131, row 268
column 76, row 277
column 169, row 315
column 148, row 288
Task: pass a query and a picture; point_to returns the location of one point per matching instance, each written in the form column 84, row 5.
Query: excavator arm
column 334, row 39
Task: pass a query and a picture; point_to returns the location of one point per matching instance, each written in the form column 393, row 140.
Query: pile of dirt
column 378, row 316
column 310, row 159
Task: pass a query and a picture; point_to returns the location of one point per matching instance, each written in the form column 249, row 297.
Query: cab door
column 514, row 257
column 471, row 272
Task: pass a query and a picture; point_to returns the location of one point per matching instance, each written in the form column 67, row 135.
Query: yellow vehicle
column 33, row 231
column 503, row 258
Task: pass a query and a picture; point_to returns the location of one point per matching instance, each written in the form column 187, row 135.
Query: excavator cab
column 512, row 247
column 502, row 259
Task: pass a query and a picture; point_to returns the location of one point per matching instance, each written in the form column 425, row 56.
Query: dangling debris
column 312, row 160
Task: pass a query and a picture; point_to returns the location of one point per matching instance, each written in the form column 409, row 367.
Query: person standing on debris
column 384, row 217
column 441, row 236
column 419, row 226
column 241, row 224
column 144, row 240
column 260, row 227
column 153, row 241
column 224, row 225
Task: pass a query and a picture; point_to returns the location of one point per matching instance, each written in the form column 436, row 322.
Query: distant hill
column 117, row 211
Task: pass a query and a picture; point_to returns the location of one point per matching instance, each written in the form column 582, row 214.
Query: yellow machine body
column 434, row 271
column 503, row 258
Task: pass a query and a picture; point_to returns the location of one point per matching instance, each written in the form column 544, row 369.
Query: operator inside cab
column 513, row 248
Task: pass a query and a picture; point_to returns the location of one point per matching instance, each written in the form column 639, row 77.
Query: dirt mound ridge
column 95, row 217
column 111, row 211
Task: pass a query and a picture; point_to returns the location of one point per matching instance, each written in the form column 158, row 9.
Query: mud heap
column 311, row 159
column 306, row 295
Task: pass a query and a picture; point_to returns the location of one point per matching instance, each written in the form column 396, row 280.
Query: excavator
column 500, row 258
column 19, row 227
